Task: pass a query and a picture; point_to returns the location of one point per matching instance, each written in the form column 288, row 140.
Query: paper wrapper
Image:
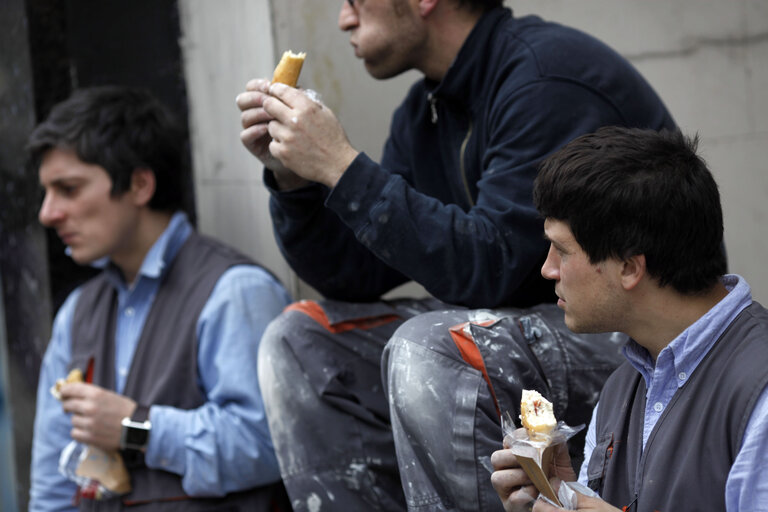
column 105, row 467
column 536, row 453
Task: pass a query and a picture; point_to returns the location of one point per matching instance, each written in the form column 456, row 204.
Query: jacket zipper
column 432, row 107
column 433, row 110
column 463, row 167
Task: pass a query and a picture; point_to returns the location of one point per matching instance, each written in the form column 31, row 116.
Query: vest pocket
column 598, row 463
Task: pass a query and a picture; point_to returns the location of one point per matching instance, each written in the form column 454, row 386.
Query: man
column 450, row 207
column 636, row 230
column 168, row 333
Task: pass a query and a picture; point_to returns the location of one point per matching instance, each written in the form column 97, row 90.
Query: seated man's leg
column 320, row 376
column 450, row 374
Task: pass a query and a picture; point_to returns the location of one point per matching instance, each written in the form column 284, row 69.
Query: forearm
column 323, row 251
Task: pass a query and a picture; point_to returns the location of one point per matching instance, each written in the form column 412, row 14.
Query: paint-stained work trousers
column 423, row 440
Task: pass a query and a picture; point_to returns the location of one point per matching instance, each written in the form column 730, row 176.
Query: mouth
column 66, row 238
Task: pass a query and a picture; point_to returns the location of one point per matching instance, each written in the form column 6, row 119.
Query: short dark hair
column 480, row 5
column 120, row 129
column 625, row 191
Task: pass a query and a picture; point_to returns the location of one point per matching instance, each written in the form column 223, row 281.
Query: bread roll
column 289, row 67
column 536, row 414
column 76, row 375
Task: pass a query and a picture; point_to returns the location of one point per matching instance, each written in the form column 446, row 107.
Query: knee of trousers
column 280, row 374
column 420, row 354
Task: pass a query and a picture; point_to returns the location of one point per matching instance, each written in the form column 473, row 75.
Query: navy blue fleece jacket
column 450, row 206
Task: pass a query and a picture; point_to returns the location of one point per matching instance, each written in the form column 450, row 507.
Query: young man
column 450, row 207
column 636, row 233
column 167, row 333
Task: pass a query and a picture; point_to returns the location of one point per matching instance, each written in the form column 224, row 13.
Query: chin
column 382, row 72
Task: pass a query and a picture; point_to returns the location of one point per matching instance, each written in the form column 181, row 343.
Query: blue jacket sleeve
column 224, row 446
column 378, row 230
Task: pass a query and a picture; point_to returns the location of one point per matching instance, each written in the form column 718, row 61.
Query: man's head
column 621, row 193
column 626, row 191
column 120, row 129
column 104, row 157
column 390, row 36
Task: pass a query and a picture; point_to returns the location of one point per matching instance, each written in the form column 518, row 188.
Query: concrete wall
column 708, row 59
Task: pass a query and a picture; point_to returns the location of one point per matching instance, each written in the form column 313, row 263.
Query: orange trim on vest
column 312, row 309
column 471, row 354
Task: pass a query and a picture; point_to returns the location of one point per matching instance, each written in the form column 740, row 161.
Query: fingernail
column 277, row 87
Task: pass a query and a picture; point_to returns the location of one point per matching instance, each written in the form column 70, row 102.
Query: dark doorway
column 48, row 48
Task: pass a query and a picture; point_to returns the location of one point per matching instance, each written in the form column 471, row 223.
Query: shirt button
column 682, row 375
column 658, row 407
column 129, row 311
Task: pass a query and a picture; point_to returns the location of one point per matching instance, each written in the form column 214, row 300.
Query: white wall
column 708, row 59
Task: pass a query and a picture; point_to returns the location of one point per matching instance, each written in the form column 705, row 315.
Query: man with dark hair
column 449, row 207
column 636, row 230
column 166, row 335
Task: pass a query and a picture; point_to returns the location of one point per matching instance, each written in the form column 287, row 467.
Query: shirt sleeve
column 589, row 447
column 49, row 489
column 224, row 446
column 746, row 488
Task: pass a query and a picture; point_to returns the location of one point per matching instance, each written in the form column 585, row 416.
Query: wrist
column 135, row 430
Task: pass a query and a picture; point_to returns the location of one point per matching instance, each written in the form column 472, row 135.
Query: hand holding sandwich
column 288, row 131
column 96, row 414
column 513, row 485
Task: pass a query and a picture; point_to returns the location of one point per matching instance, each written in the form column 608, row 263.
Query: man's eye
column 68, row 190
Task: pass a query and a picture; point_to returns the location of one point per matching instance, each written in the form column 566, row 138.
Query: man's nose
column 49, row 213
column 549, row 270
column 347, row 16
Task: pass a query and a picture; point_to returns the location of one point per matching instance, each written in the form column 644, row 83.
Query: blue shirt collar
column 159, row 256
column 687, row 350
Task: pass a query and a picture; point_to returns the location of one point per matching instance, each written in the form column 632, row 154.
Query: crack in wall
column 691, row 46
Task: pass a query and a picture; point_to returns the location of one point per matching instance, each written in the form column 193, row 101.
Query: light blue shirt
column 221, row 447
column 746, row 488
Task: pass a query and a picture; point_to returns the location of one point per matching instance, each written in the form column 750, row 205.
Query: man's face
column 386, row 34
column 589, row 294
column 78, row 205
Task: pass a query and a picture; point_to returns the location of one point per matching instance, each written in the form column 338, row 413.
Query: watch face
column 136, row 436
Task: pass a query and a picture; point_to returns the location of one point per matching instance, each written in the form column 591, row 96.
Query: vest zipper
column 462, row 152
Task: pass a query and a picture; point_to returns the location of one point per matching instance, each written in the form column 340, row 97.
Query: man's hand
column 512, row 484
column 584, row 504
column 255, row 138
column 96, row 414
column 306, row 136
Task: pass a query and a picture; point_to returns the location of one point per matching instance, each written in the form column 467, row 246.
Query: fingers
column 504, row 459
column 258, row 84
column 543, row 506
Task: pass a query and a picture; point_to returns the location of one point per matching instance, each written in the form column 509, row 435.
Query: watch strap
column 141, row 414
column 134, row 459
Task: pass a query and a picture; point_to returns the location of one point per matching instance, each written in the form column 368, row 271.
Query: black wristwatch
column 136, row 429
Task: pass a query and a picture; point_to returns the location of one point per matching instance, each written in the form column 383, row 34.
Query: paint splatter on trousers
column 375, row 407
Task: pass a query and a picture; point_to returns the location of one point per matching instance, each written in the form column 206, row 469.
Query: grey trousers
column 358, row 426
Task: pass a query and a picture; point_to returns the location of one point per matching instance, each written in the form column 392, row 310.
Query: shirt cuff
column 167, row 441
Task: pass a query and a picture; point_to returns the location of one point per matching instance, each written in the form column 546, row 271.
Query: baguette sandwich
column 289, row 67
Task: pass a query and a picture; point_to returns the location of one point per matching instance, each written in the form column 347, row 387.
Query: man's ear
column 427, row 6
column 143, row 185
column 632, row 271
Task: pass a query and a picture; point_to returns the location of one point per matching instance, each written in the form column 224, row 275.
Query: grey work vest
column 164, row 366
column 693, row 445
